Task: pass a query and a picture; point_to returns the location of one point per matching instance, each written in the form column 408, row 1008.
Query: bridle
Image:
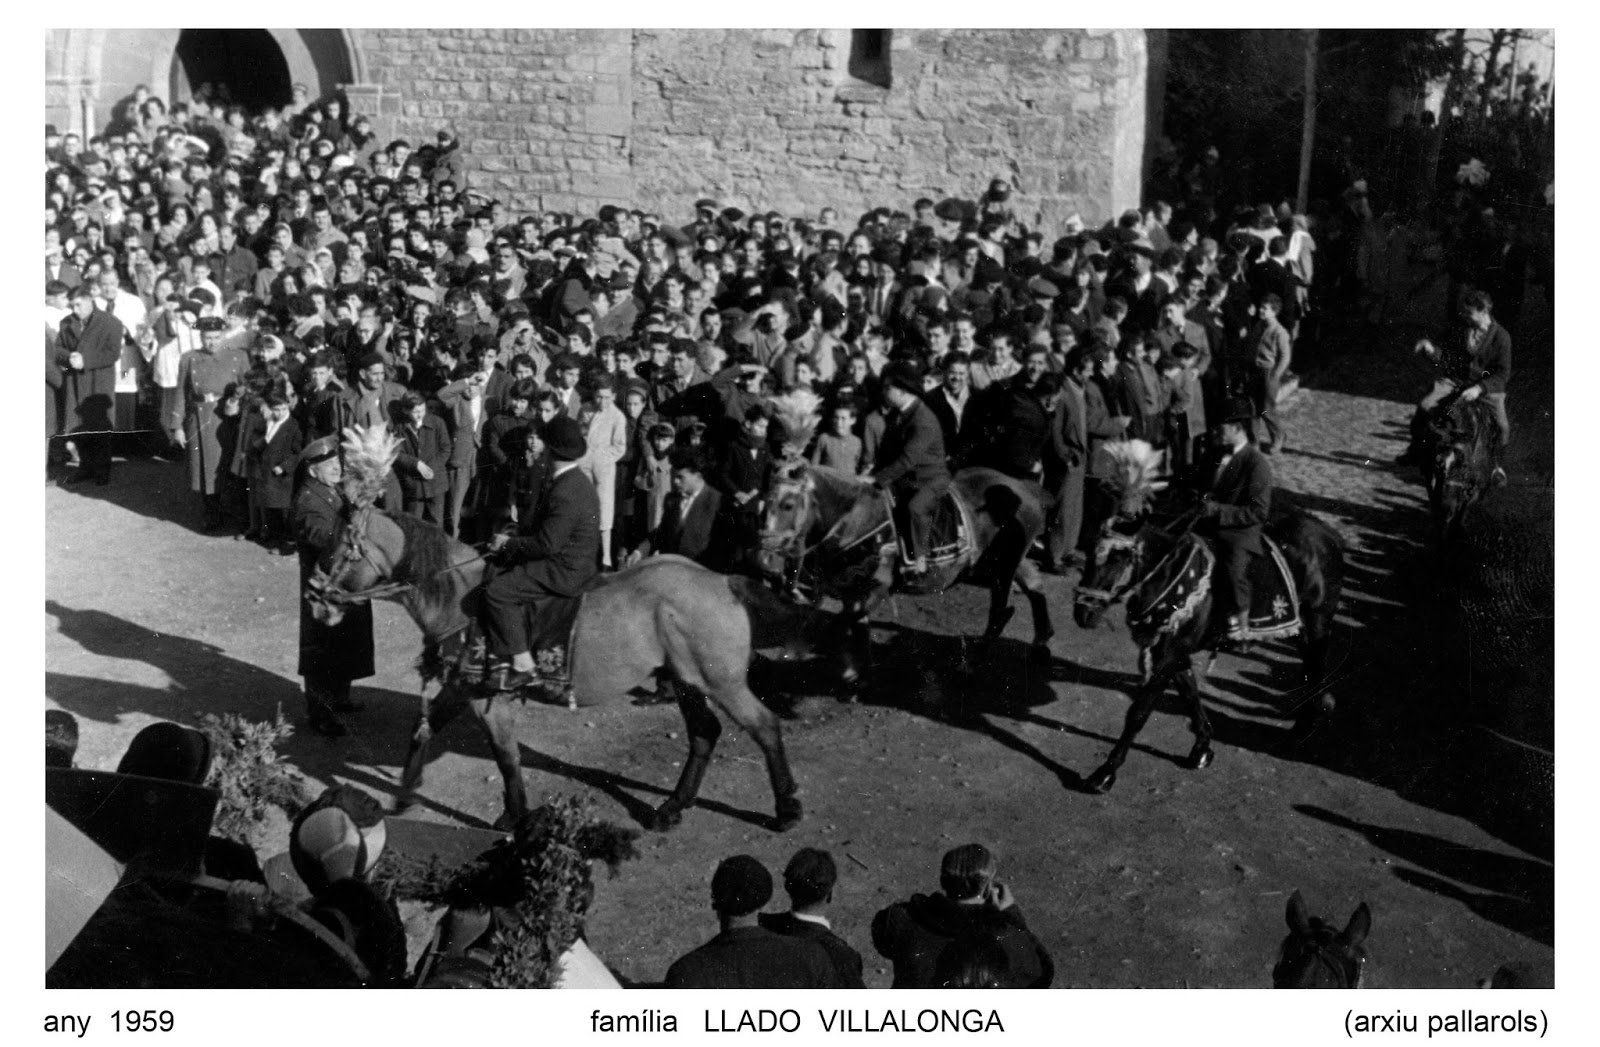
column 1112, row 541
column 354, row 549
column 790, row 542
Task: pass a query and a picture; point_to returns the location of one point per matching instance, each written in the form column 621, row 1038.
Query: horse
column 1315, row 955
column 666, row 618
column 828, row 527
column 1163, row 575
column 1460, row 448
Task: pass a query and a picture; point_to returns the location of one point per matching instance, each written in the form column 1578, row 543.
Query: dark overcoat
column 87, row 395
column 343, row 651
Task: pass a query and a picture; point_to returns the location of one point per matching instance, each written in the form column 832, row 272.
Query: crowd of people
column 242, row 288
column 238, row 290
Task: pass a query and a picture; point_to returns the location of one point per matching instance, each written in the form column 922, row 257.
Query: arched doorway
column 245, row 67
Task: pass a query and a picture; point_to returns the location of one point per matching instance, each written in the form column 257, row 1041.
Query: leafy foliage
column 249, row 772
column 539, row 884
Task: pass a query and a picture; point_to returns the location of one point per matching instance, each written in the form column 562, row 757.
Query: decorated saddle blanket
column 1174, row 589
column 463, row 657
column 1274, row 598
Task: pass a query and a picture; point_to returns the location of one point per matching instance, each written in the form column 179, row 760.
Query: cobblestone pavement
column 1176, row 878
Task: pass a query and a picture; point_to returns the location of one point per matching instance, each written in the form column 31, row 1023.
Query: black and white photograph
column 753, row 508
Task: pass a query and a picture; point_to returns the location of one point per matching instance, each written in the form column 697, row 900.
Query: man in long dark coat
column 205, row 377
column 554, row 555
column 331, row 656
column 88, row 348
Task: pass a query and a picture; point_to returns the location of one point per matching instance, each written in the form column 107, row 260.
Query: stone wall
column 758, row 118
column 772, row 118
column 544, row 114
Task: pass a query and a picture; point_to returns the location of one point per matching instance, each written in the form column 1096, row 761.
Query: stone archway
column 88, row 71
column 246, row 67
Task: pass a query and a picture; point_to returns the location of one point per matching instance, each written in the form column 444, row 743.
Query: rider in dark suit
column 1233, row 512
column 555, row 554
column 910, row 458
column 331, row 656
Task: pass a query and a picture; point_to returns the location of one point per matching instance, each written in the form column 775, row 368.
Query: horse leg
column 1144, row 701
column 703, row 729
column 444, row 707
column 1320, row 702
column 1027, row 579
column 735, row 698
column 494, row 713
column 1192, row 681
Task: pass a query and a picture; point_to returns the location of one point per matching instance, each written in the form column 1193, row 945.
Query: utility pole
column 1308, row 131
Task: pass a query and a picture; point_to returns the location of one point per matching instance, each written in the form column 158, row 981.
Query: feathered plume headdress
column 369, row 453
column 799, row 411
column 1135, row 473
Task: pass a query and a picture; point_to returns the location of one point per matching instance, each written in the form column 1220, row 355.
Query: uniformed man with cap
column 331, row 656
column 555, row 555
column 1233, row 511
column 205, row 377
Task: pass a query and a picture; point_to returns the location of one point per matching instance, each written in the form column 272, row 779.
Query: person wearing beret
column 331, row 656
column 809, row 879
column 555, row 555
column 745, row 955
column 910, row 460
column 1233, row 511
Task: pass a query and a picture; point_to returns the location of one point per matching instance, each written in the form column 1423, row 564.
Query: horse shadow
column 204, row 678
column 1515, row 892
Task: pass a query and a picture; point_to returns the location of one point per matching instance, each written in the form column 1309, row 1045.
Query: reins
column 356, row 551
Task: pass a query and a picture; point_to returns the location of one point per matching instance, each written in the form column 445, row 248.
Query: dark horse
column 1317, row 955
column 667, row 618
column 835, row 532
column 1151, row 568
column 1460, row 448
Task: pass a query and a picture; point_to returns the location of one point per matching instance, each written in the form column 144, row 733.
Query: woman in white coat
column 608, row 442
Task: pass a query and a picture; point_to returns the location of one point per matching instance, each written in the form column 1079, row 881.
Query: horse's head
column 363, row 558
column 1317, row 955
column 790, row 514
column 1111, row 570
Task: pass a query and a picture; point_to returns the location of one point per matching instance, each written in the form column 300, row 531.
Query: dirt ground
column 1177, row 878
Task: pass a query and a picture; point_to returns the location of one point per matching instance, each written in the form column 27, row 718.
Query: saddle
column 463, row 657
column 950, row 532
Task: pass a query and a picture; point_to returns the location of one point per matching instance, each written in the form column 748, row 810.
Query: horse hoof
column 402, row 805
column 1200, row 759
column 788, row 816
column 665, row 819
column 1101, row 782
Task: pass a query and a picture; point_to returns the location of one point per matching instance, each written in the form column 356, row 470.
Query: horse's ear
column 1355, row 932
column 1298, row 919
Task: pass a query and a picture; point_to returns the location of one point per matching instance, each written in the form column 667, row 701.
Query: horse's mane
column 1135, row 473
column 799, row 411
column 369, row 454
column 427, row 559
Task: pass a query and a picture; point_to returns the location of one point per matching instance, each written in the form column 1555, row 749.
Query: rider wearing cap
column 1233, row 512
column 910, row 458
column 555, row 555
